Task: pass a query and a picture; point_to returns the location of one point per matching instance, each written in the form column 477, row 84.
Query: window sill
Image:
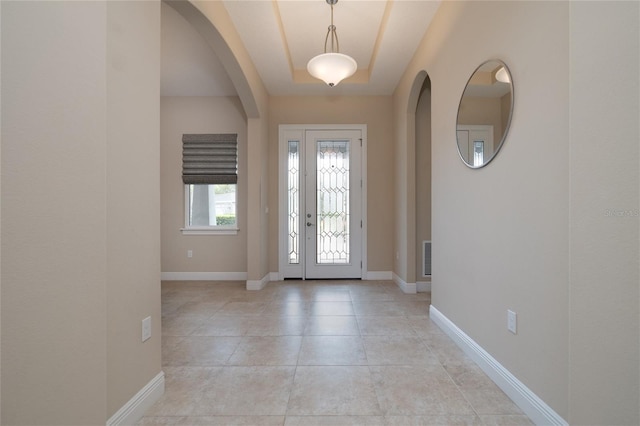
column 209, row 231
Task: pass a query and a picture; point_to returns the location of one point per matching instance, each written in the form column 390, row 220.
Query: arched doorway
column 212, row 21
column 420, row 130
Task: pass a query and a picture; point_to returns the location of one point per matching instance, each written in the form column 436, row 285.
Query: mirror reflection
column 484, row 113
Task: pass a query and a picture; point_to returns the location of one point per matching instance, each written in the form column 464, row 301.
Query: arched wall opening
column 80, row 110
column 212, row 36
column 423, row 184
column 419, row 182
column 212, row 22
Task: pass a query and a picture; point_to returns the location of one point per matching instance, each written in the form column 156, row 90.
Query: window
column 478, row 153
column 211, row 205
column 209, row 172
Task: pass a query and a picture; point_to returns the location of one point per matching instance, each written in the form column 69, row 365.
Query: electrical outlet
column 189, row 253
column 512, row 322
column 146, row 329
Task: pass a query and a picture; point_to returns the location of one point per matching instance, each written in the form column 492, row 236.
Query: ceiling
column 282, row 35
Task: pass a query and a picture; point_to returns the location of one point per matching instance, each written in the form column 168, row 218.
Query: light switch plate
column 146, row 329
column 512, row 322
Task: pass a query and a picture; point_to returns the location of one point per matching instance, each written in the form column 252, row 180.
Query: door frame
column 475, row 127
column 297, row 132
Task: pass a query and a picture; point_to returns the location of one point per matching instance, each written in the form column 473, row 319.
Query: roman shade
column 210, row 158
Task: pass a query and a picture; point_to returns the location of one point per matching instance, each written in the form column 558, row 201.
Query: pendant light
column 332, row 67
column 502, row 75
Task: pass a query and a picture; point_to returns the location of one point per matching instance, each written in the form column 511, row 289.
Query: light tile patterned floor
column 315, row 353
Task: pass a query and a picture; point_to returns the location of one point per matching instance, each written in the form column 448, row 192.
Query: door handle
column 309, row 224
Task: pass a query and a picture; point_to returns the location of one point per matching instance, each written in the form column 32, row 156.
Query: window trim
column 206, row 230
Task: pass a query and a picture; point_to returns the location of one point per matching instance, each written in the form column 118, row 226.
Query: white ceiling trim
column 282, row 35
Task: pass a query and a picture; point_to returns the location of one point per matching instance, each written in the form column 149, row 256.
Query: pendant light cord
column 334, row 36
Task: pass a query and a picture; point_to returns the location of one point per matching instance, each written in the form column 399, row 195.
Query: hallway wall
column 529, row 232
column 604, row 373
column 132, row 198
column 53, row 277
column 80, row 269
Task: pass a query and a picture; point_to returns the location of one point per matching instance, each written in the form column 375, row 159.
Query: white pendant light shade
column 502, row 75
column 332, row 68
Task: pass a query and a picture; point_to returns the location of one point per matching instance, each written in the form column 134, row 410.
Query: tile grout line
column 305, row 338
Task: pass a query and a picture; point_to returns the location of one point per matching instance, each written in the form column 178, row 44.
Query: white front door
column 475, row 143
column 321, row 220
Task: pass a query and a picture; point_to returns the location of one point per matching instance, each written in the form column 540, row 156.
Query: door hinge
column 360, row 224
column 360, row 141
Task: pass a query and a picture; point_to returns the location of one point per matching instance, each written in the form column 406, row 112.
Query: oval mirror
column 484, row 113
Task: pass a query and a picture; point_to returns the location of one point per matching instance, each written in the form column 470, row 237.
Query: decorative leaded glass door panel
column 332, row 210
column 321, row 188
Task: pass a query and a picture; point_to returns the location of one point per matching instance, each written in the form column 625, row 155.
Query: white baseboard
column 378, row 275
column 537, row 410
column 409, row 288
column 132, row 411
column 203, row 276
column 423, row 286
column 259, row 284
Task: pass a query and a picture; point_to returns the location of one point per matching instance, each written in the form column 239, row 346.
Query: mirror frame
column 507, row 125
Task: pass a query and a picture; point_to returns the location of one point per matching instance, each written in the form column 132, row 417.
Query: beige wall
column 132, row 198
column 260, row 161
column 78, row 271
column 521, row 246
column 211, row 253
column 543, row 239
column 604, row 158
column 375, row 112
column 54, row 213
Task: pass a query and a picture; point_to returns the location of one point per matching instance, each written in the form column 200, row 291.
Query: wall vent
column 426, row 258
